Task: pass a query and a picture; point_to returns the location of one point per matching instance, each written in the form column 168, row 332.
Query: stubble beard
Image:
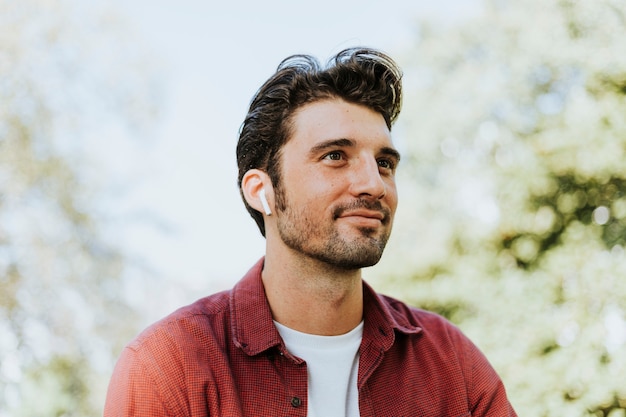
column 325, row 243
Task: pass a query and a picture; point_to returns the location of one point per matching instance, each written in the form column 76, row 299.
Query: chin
column 351, row 259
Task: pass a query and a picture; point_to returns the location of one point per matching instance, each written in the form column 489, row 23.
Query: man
column 301, row 334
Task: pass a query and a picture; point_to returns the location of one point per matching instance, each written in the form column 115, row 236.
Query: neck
column 312, row 297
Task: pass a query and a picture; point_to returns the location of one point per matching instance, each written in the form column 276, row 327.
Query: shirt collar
column 384, row 316
column 251, row 318
column 254, row 331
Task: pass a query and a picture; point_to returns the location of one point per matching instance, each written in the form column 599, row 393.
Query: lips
column 368, row 214
column 366, row 210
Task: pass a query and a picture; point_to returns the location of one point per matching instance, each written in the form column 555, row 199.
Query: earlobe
column 253, row 187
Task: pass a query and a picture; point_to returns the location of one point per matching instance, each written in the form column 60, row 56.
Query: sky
column 210, row 60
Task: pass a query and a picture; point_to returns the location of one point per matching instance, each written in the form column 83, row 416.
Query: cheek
column 317, row 187
column 306, row 193
column 392, row 192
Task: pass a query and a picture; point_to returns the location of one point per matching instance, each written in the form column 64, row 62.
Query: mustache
column 362, row 204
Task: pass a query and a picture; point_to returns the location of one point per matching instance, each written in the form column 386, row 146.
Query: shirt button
column 296, row 402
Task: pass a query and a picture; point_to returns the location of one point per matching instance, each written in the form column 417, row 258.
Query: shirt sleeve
column 486, row 391
column 132, row 391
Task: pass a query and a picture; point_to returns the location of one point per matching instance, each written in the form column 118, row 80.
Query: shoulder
column 152, row 370
column 432, row 331
column 446, row 352
column 204, row 316
column 437, row 335
column 205, row 324
column 426, row 320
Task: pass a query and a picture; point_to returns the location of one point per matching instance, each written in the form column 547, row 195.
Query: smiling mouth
column 365, row 213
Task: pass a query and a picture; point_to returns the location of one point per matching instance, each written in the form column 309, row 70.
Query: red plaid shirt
column 222, row 356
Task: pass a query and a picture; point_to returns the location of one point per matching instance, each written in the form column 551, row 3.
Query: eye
column 386, row 164
column 333, row 156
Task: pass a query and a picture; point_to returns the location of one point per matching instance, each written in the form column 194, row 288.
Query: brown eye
column 333, row 156
column 386, row 164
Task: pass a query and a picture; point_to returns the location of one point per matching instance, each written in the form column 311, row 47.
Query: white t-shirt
column 332, row 366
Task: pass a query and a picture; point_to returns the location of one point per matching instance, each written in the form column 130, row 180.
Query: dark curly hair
column 357, row 75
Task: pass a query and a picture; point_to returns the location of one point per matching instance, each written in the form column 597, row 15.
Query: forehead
column 337, row 119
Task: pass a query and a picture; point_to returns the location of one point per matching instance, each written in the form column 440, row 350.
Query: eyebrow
column 391, row 152
column 342, row 143
column 332, row 143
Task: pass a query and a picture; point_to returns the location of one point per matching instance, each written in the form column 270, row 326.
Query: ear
column 252, row 183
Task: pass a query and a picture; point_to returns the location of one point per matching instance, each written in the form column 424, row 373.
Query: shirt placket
column 370, row 359
column 295, row 384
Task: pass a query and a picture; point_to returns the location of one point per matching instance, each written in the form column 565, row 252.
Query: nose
column 366, row 179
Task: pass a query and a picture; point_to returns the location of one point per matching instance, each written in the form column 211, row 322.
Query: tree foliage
column 516, row 196
column 62, row 312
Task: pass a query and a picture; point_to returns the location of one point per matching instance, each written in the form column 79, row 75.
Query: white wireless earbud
column 266, row 206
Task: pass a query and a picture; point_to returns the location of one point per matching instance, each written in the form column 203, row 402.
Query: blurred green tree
column 514, row 211
column 63, row 314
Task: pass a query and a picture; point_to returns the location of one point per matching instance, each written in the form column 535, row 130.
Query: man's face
column 337, row 190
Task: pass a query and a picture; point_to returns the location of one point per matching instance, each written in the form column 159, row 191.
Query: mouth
column 364, row 214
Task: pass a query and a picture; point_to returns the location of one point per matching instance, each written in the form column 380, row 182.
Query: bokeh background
column 118, row 197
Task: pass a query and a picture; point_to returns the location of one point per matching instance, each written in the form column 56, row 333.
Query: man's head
column 359, row 76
